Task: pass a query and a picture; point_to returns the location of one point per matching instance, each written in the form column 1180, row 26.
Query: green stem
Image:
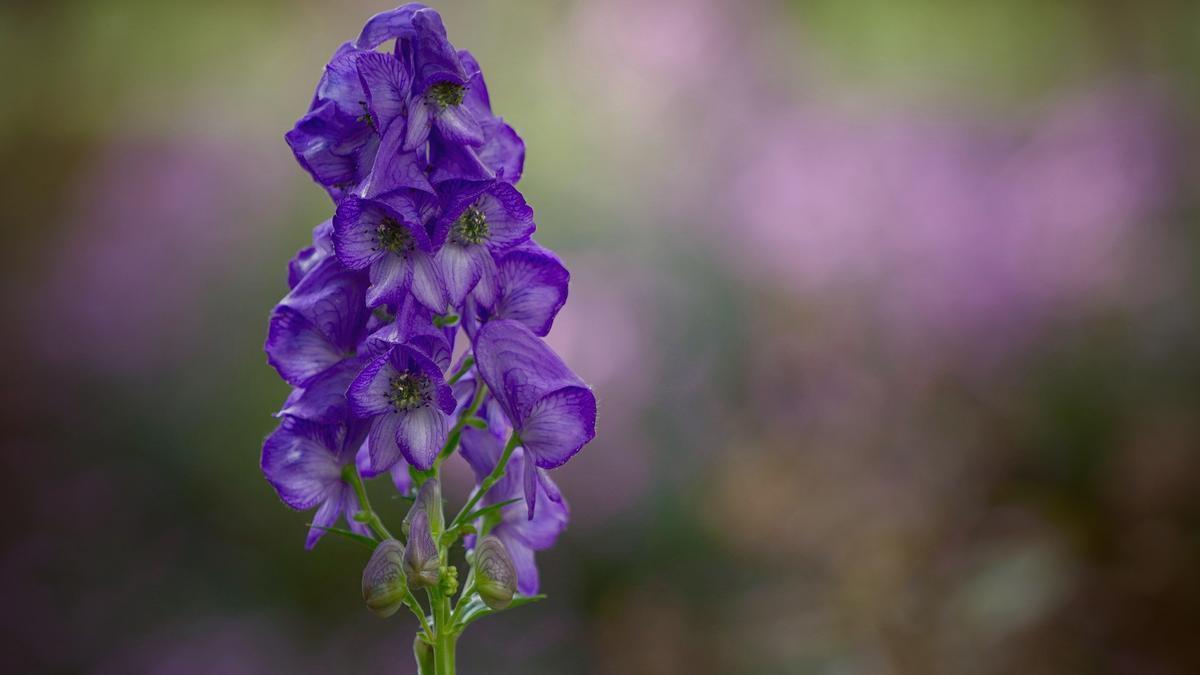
column 350, row 475
column 462, row 370
column 444, row 641
column 496, row 474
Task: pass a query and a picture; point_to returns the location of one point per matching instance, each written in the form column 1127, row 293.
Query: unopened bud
column 421, row 561
column 383, row 584
column 429, row 500
column 495, row 576
column 423, row 653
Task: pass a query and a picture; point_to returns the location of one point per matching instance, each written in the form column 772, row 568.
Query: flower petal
column 384, row 26
column 370, row 392
column 420, row 121
column 559, row 425
column 386, row 86
column 296, row 349
column 391, row 277
column 323, row 400
column 299, row 461
column 382, row 448
column 421, row 433
column 427, row 284
column 509, row 218
column 396, row 167
column 523, row 562
column 534, row 283
column 461, row 268
column 457, row 124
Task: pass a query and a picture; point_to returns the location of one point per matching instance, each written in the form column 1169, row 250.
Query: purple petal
column 450, row 161
column 534, row 283
column 382, row 448
column 421, row 433
column 487, row 292
column 523, row 562
column 481, row 449
column 435, row 59
column 323, row 400
column 420, row 122
column 296, row 348
column 559, row 425
column 386, row 86
column 325, row 517
column 391, row 277
column 370, row 392
column 427, row 284
column 384, row 26
column 401, row 478
column 326, row 143
column 509, row 218
column 299, row 461
column 502, row 151
column 461, row 268
column 396, row 167
column 458, row 125
column 331, row 297
column 340, row 84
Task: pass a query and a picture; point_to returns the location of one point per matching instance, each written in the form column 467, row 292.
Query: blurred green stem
column 350, row 475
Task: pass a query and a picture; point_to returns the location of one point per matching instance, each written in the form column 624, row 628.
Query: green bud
column 495, row 576
column 383, row 583
column 428, row 500
column 421, row 560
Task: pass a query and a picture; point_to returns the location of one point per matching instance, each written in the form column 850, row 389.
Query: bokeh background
column 891, row 308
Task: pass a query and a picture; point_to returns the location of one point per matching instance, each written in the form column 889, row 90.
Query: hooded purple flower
column 408, row 401
column 478, row 221
column 318, row 324
column 440, row 86
column 522, row 529
column 550, row 408
column 532, row 288
column 304, row 462
column 388, row 236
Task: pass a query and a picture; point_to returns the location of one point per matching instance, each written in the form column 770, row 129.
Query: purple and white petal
column 370, row 392
column 421, row 433
column 296, row 348
column 534, row 283
column 523, row 562
column 457, row 124
column 382, row 448
column 427, row 284
column 386, row 86
column 391, row 277
column 396, row 167
column 509, row 218
column 559, row 425
column 461, row 268
column 395, row 23
column 323, row 400
column 420, row 123
column 298, row 461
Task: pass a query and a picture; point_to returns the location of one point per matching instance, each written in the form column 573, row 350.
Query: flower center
column 471, row 227
column 446, row 94
column 393, row 237
column 408, row 391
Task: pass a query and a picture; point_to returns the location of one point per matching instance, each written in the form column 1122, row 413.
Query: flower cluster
column 428, row 254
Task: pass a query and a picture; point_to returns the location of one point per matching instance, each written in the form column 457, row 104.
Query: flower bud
column 383, row 584
column 495, row 576
column 421, row 560
column 423, row 653
column 429, row 500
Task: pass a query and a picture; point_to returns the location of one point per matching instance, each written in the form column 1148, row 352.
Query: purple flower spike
column 408, row 401
column 304, row 461
column 551, row 409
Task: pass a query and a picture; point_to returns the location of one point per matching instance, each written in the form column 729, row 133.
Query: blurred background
column 891, row 308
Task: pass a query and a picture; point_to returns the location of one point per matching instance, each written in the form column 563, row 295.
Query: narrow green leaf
column 477, row 513
column 353, row 536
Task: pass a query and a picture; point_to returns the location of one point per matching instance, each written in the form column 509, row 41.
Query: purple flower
column 318, row 324
column 532, row 288
column 388, row 236
column 478, row 221
column 404, row 394
column 304, row 462
column 441, row 83
column 550, row 408
column 522, row 528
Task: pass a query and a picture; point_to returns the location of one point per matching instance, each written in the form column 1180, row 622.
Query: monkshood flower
column 428, row 235
column 387, row 236
column 404, row 395
column 305, row 463
column 551, row 410
column 479, row 221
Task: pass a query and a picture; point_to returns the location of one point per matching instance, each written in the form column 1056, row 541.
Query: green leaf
column 477, row 610
column 353, row 536
column 487, row 510
column 477, row 422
